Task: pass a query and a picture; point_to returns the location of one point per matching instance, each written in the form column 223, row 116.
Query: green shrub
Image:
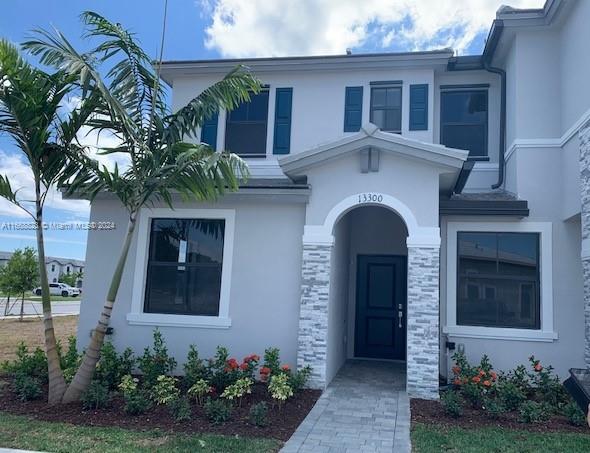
column 493, row 408
column 96, row 396
column 511, row 395
column 473, row 394
column 547, row 385
column 165, row 390
column 217, row 411
column 70, row 360
column 180, row 409
column 221, row 375
column 258, row 415
column 194, row 368
column 533, row 412
column 238, row 390
column 111, row 367
column 299, row 378
column 32, row 364
column 27, row 387
column 137, row 403
column 451, row 402
column 198, row 390
column 156, row 362
column 574, row 414
column 272, row 360
column 279, row 387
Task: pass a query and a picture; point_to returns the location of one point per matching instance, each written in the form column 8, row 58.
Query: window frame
column 226, row 120
column 467, row 89
column 385, row 85
column 546, row 332
column 483, row 287
column 136, row 315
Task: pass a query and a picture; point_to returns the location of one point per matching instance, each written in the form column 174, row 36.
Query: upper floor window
column 245, row 129
column 464, row 121
column 498, row 280
column 386, row 108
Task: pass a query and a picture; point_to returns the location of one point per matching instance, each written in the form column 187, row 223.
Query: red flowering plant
column 474, row 382
column 546, row 385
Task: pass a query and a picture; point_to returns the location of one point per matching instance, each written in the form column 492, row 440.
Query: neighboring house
column 401, row 204
column 55, row 267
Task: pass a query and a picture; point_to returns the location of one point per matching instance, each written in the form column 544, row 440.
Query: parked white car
column 59, row 289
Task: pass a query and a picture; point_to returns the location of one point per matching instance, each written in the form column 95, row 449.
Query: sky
column 203, row 29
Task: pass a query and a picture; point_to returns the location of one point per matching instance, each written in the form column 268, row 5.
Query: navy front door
column 380, row 330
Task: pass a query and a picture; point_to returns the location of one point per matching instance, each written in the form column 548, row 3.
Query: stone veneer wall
column 313, row 318
column 423, row 322
column 585, row 212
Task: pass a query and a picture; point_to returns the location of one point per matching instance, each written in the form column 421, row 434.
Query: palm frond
column 227, row 94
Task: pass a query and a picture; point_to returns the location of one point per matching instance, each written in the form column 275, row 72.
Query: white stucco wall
column 265, row 284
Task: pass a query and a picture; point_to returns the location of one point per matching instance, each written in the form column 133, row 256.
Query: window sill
column 166, row 320
column 493, row 333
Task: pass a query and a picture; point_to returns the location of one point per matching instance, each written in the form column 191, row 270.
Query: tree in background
column 71, row 278
column 33, row 117
column 20, row 274
column 162, row 167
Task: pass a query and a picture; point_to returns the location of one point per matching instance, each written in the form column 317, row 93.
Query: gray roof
column 4, row 256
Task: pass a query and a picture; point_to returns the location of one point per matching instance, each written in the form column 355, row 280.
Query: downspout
column 488, row 54
column 502, row 147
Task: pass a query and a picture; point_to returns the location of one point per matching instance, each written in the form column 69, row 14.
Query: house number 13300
column 370, row 198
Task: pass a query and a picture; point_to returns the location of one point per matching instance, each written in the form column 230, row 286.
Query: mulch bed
column 432, row 412
column 282, row 422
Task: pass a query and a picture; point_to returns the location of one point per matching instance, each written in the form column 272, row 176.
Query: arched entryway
column 323, row 341
column 368, row 297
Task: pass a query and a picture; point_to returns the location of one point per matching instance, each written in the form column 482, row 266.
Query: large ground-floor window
column 183, row 268
column 499, row 281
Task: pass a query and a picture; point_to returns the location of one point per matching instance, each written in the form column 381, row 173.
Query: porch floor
column 364, row 409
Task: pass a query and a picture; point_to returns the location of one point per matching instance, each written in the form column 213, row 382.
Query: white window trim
column 546, row 333
column 136, row 316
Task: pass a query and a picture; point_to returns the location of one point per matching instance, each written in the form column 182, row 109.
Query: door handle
column 400, row 315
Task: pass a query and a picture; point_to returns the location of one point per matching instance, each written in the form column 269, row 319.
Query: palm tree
column 161, row 165
column 31, row 115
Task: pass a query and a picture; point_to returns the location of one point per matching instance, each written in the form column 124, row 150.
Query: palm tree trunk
column 85, row 372
column 57, row 383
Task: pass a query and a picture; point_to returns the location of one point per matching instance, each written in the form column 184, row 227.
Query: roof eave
column 371, row 137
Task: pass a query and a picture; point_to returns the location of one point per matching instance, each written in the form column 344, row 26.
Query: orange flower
column 487, row 383
column 285, row 367
column 494, row 375
column 244, row 366
column 457, row 381
column 482, row 373
column 265, row 370
column 456, row 370
column 538, row 367
column 476, row 379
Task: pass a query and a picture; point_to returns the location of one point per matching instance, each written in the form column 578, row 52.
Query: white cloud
column 21, row 179
column 245, row 28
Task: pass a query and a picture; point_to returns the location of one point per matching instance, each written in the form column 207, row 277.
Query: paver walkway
column 364, row 409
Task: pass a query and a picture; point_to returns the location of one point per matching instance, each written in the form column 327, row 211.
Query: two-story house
column 400, row 205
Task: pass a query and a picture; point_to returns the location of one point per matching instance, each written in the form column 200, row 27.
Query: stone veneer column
column 313, row 315
column 585, row 219
column 423, row 322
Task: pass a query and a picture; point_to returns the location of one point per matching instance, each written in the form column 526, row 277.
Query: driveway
column 34, row 308
column 364, row 409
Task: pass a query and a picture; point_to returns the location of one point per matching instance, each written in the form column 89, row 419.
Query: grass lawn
column 428, row 438
column 30, row 330
column 24, row 433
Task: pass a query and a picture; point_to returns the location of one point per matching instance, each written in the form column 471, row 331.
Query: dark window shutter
column 209, row 131
column 353, row 109
column 419, row 107
column 282, row 135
